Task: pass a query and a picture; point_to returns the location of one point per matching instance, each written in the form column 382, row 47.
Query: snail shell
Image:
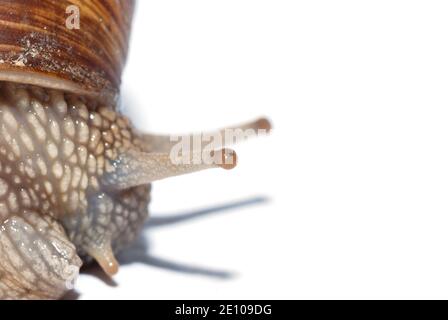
column 37, row 47
column 74, row 174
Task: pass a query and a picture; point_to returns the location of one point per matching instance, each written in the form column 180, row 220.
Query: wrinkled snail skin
column 56, row 151
column 75, row 175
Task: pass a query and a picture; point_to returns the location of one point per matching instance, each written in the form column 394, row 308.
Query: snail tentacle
column 135, row 168
column 220, row 138
column 104, row 255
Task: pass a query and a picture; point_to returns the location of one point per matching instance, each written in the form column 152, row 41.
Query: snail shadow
column 140, row 251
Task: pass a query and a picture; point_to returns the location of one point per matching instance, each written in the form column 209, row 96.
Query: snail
column 75, row 174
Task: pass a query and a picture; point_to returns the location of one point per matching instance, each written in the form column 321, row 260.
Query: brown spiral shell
column 36, row 47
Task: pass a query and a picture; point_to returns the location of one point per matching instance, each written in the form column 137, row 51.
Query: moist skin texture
column 56, row 151
column 74, row 186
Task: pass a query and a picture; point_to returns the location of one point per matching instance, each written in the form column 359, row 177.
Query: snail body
column 74, row 174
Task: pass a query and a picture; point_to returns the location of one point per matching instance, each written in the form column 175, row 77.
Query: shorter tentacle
column 221, row 138
column 104, row 255
column 135, row 168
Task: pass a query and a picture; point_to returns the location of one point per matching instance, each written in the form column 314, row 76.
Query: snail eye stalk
column 163, row 143
column 135, row 168
column 164, row 157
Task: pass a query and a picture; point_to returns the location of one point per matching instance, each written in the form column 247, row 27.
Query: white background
column 349, row 196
